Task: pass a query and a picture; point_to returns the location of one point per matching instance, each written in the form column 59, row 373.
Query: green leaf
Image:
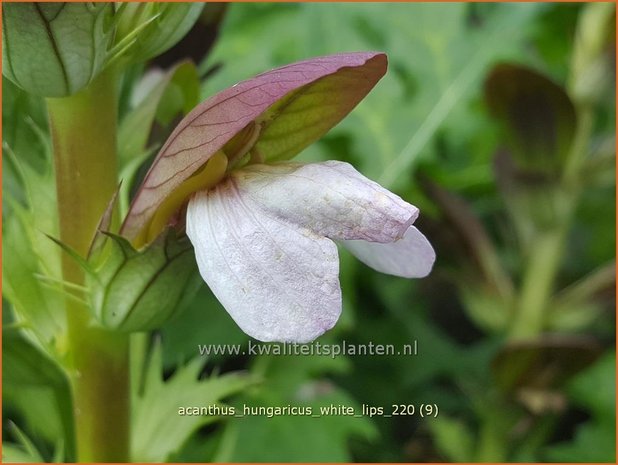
column 24, row 452
column 37, row 386
column 46, row 54
column 24, row 119
column 40, row 309
column 31, row 260
column 577, row 306
column 301, row 382
column 595, row 390
column 182, row 335
column 12, row 453
column 38, row 212
column 446, row 68
column 452, row 438
column 24, row 364
column 593, row 443
column 31, row 167
column 26, row 443
column 159, row 430
column 297, row 438
column 437, row 56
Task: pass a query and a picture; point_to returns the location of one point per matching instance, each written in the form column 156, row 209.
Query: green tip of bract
column 150, row 29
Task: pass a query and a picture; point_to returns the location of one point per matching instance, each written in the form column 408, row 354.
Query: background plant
column 516, row 346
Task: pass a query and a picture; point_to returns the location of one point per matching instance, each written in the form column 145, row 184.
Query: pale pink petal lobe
column 410, row 257
column 331, row 199
column 278, row 280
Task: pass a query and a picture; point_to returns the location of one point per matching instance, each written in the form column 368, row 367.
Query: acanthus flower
column 264, row 230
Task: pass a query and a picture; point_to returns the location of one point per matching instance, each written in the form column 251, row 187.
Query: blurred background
column 498, row 122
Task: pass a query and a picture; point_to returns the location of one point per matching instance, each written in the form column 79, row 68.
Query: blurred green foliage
column 427, row 133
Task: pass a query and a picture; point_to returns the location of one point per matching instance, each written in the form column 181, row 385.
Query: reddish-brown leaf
column 292, row 107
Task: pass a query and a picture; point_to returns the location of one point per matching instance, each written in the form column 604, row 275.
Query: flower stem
column 537, row 287
column 84, row 140
column 549, row 245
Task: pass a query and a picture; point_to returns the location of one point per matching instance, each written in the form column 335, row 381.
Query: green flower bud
column 153, row 28
column 591, row 64
column 55, row 49
column 140, row 290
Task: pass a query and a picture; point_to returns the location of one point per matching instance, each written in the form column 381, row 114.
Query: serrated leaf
column 24, row 364
column 12, row 181
column 283, row 110
column 159, row 430
column 452, row 438
column 297, row 381
column 24, row 450
column 183, row 334
column 595, row 388
column 299, row 438
column 38, row 213
column 29, row 255
column 28, row 372
column 40, row 309
column 578, row 305
column 593, row 443
column 301, row 382
column 595, row 440
column 22, row 113
column 12, row 453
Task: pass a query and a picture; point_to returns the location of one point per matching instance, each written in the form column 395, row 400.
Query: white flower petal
column 279, row 281
column 410, row 257
column 331, row 198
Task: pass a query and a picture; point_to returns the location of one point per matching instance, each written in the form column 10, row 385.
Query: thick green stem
column 84, row 140
column 548, row 248
column 579, row 151
column 537, row 287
